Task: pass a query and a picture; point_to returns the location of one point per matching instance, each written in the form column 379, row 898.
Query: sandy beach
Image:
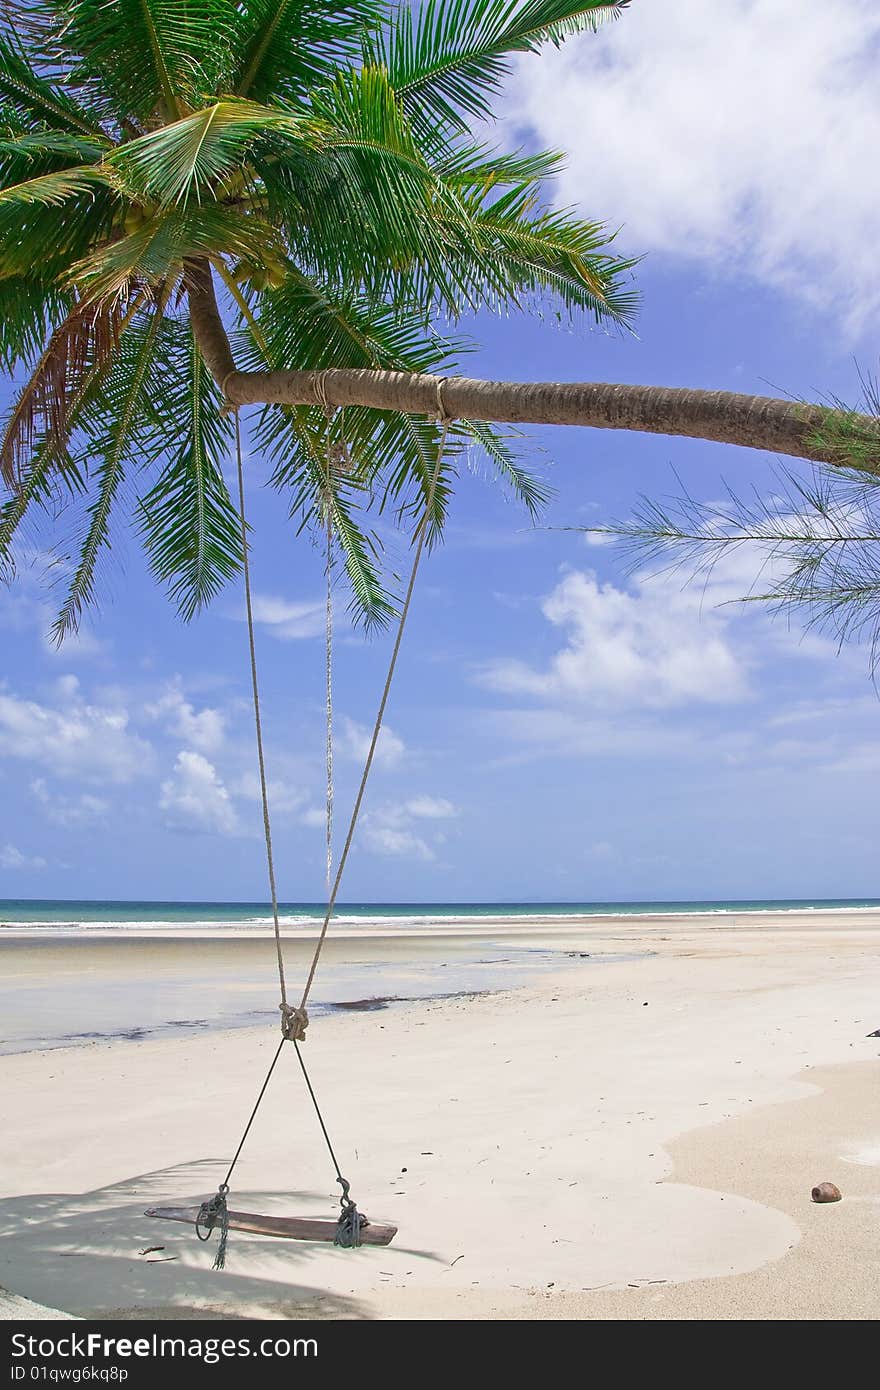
column 632, row 1132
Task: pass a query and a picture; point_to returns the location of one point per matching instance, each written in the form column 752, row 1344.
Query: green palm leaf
column 446, row 58
column 53, row 232
column 190, row 157
column 36, row 100
column 27, row 154
column 146, row 55
column 157, row 252
column 189, row 526
column 478, row 168
column 108, row 451
column 289, row 47
column 29, row 307
column 54, row 188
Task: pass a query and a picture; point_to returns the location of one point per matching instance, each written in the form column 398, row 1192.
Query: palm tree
column 269, row 203
column 190, row 189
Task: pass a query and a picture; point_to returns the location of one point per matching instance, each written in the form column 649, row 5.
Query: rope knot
column 294, row 1023
column 351, row 1222
column 443, row 416
column 213, row 1212
column 228, row 407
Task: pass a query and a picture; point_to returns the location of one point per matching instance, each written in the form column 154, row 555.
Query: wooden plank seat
column 286, row 1227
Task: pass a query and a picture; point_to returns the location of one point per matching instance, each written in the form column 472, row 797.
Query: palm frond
column 46, row 468
column 108, row 453
column 36, row 100
column 291, row 442
column 392, row 198
column 86, row 337
column 28, row 154
column 156, row 252
column 478, row 168
column 290, row 47
column 189, row 158
column 54, row 188
column 29, row 309
column 812, row 542
column 446, row 58
column 54, row 234
column 188, row 523
column 151, row 54
column 552, row 252
column 371, row 605
column 309, row 323
column 414, row 477
column 533, row 492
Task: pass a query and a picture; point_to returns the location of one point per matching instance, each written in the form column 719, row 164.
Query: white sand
column 656, row 1123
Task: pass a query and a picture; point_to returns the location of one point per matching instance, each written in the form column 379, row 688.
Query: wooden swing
column 351, row 1228
column 288, row 1227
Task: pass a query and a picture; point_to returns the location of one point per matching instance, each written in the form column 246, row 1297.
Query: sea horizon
column 109, row 913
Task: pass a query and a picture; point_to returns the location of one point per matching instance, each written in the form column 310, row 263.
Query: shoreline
column 419, row 919
column 518, row 925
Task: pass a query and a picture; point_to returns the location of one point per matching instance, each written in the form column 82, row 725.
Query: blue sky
column 558, row 729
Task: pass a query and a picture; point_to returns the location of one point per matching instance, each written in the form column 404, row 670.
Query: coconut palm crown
column 189, row 188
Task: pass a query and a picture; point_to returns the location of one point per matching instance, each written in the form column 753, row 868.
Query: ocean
column 108, row 914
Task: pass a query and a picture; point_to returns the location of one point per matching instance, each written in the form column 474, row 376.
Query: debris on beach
column 826, row 1192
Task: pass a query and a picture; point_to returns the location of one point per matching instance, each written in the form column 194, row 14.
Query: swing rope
column 294, row 1021
column 214, row 1211
column 421, row 537
column 321, row 392
column 258, row 723
column 328, row 686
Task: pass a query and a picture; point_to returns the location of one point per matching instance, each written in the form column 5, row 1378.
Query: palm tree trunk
column 726, row 417
column 207, row 325
column 798, row 429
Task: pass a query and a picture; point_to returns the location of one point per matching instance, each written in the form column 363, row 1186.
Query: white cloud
column 863, row 759
column 838, row 711
column 818, row 736
column 744, row 137
column 12, row 858
column 203, row 729
column 386, row 829
column 574, row 733
column 73, row 737
column 286, row 620
column 70, row 812
column 356, row 742
column 654, row 647
column 430, row 808
column 282, row 796
column 195, row 798
column 401, row 844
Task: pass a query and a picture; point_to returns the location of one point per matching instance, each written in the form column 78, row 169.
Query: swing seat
column 287, row 1227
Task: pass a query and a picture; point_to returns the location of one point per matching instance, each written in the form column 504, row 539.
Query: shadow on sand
column 90, row 1254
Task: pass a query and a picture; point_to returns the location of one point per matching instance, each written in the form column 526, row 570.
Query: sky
column 559, row 729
